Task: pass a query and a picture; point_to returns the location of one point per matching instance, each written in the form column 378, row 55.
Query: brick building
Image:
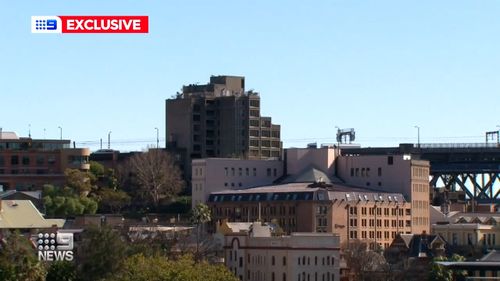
column 28, row 164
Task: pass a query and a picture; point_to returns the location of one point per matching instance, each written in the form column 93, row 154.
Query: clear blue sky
column 380, row 67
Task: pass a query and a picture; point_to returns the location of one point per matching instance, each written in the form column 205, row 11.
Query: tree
column 112, row 200
column 441, row 273
column 199, row 216
column 156, row 268
column 64, row 202
column 18, row 260
column 154, row 175
column 362, row 263
column 97, row 169
column 81, row 182
column 101, row 253
column 61, row 271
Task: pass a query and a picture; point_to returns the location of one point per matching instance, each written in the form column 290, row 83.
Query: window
column 390, row 160
column 247, row 171
column 379, row 171
column 275, row 172
column 240, row 172
column 268, row 172
column 272, row 260
column 254, row 172
column 26, row 160
column 284, row 260
column 14, row 160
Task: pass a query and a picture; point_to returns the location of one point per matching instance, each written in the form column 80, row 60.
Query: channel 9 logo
column 55, row 246
column 89, row 24
column 46, row 24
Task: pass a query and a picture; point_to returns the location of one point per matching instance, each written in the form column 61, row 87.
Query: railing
column 457, row 145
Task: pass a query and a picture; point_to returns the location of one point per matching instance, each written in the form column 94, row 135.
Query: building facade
column 219, row 119
column 28, row 164
column 257, row 255
column 352, row 213
column 392, row 173
column 470, row 229
column 216, row 174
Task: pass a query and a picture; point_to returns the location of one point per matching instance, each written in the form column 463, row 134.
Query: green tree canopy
column 441, row 273
column 18, row 260
column 101, row 253
column 61, row 271
column 156, row 268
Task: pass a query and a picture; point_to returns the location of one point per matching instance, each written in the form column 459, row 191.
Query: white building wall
column 299, row 257
column 215, row 174
column 298, row 159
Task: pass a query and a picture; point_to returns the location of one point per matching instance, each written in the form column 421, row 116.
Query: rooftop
column 22, row 214
column 305, row 191
column 8, row 136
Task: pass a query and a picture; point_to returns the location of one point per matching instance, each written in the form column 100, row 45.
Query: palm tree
column 199, row 216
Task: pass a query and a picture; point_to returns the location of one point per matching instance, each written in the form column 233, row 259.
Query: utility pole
column 418, row 136
column 109, row 140
column 60, row 132
column 157, row 138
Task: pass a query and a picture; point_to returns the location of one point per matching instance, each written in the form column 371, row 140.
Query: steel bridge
column 470, row 167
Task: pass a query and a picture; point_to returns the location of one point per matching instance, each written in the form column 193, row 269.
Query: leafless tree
column 363, row 264
column 153, row 174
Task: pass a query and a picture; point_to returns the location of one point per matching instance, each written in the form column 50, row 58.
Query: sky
column 381, row 67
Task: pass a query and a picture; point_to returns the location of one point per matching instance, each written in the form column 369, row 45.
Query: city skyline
column 381, row 68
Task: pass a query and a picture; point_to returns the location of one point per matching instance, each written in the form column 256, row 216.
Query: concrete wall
column 298, row 159
column 216, row 174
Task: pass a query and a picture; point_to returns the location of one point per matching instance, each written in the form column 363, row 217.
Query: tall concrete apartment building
column 28, row 164
column 219, row 119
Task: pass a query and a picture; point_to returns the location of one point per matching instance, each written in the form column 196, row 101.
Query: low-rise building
column 258, row 255
column 486, row 268
column 22, row 215
column 28, row 164
column 353, row 213
column 470, row 229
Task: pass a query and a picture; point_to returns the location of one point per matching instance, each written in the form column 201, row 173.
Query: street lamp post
column 498, row 135
column 109, row 140
column 157, row 138
column 60, row 132
column 418, row 136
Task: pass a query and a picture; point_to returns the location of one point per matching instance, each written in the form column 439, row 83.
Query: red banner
column 105, row 24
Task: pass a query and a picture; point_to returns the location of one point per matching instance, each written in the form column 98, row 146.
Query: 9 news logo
column 89, row 24
column 46, row 24
column 55, row 246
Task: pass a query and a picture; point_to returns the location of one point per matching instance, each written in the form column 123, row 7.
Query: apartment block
column 28, row 164
column 219, row 119
column 258, row 255
column 392, row 173
column 216, row 174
